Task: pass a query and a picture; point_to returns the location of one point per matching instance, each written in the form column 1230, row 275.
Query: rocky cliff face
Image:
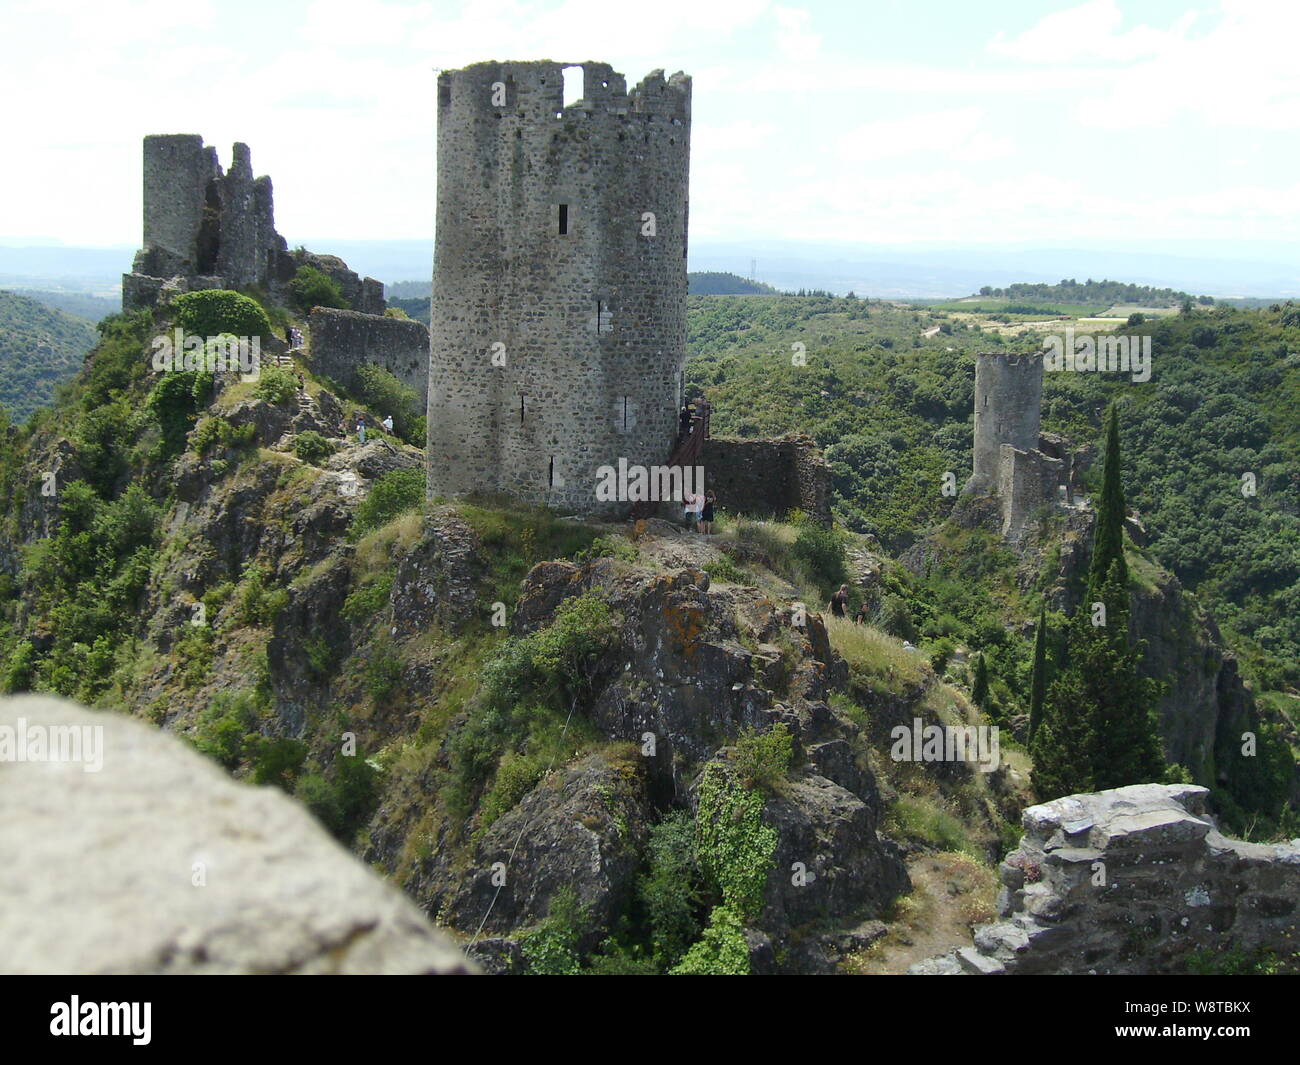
column 1135, row 880
column 691, row 667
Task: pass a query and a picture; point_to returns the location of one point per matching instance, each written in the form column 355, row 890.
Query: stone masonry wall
column 1027, row 480
column 1008, row 407
column 1134, row 880
column 543, row 248
column 342, row 341
column 769, row 477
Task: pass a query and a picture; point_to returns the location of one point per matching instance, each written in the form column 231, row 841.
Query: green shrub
column 762, row 759
column 343, row 801
column 213, row 312
column 516, row 776
column 217, row 430
column 669, row 891
column 175, row 402
column 551, row 949
column 386, row 395
column 526, row 692
column 392, row 494
column 607, row 547
column 382, row 670
column 822, row 552
column 194, row 652
column 311, row 447
column 733, row 846
column 320, row 658
column 278, row 762
column 223, row 726
column 20, row 669
column 895, row 618
column 367, row 600
column 721, row 951
column 259, row 604
column 276, row 385
column 724, row 569
column 311, row 287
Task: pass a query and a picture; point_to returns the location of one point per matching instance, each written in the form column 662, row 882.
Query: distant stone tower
column 558, row 330
column 1008, row 407
column 1008, row 461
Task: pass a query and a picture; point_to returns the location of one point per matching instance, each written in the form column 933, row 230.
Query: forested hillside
column 892, row 409
column 39, row 349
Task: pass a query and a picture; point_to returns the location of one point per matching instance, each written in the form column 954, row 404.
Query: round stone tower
column 558, row 326
column 1008, row 405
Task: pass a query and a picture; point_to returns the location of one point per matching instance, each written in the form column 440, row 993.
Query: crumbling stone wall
column 558, row 330
column 342, row 341
column 1133, row 880
column 1027, row 480
column 205, row 228
column 769, row 477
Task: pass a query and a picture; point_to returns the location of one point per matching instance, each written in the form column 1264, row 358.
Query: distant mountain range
column 1221, row 269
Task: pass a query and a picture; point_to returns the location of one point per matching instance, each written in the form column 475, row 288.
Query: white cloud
column 1090, row 31
column 954, row 135
column 795, row 41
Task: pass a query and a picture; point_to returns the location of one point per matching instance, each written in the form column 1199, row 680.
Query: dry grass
column 876, row 658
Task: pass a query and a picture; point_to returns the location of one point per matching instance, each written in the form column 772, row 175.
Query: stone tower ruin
column 558, row 332
column 200, row 221
column 1008, row 458
column 209, row 228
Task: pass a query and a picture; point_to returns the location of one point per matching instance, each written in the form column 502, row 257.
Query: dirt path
column 950, row 893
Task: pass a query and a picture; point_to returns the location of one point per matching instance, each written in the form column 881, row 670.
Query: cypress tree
column 1108, row 542
column 979, row 691
column 1038, row 682
column 1098, row 728
column 1128, row 749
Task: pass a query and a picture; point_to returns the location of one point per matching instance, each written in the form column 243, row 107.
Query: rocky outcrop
column 157, row 862
column 1134, row 880
column 437, row 581
column 692, row 667
column 581, row 829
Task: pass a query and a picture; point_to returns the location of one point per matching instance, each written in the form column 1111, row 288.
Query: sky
column 904, row 123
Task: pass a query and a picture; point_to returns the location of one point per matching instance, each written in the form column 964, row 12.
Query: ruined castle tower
column 201, row 222
column 209, row 228
column 1008, row 406
column 1008, row 461
column 558, row 330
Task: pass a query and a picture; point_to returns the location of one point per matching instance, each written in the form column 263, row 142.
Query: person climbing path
column 840, row 602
